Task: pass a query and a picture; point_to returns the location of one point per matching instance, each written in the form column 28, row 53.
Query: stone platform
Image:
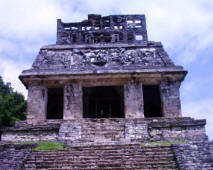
column 109, row 131
column 192, row 155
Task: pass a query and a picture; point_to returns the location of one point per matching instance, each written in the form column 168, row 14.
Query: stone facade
column 107, row 29
column 114, row 131
column 104, row 82
column 73, row 102
column 75, row 66
column 22, row 131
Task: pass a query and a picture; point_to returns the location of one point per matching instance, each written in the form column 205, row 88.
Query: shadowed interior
column 152, row 101
column 55, row 103
column 103, row 102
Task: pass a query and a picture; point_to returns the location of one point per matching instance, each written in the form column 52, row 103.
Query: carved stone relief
column 77, row 58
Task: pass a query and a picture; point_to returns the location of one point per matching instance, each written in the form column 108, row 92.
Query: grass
column 164, row 143
column 47, row 146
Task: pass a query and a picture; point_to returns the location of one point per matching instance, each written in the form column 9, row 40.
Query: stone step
column 161, row 157
column 130, row 146
column 104, row 157
column 102, row 126
column 116, row 168
column 103, row 130
column 107, row 164
column 109, row 147
column 100, row 164
column 119, row 166
column 105, row 148
column 82, row 160
column 142, row 158
column 119, row 146
column 95, row 161
column 108, row 152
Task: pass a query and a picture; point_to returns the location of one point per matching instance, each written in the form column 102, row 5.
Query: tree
column 12, row 105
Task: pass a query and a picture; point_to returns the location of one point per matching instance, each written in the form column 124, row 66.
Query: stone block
column 133, row 96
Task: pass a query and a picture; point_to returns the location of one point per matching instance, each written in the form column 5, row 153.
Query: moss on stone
column 47, row 146
column 164, row 143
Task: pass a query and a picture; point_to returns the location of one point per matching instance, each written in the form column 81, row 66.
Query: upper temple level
column 106, row 29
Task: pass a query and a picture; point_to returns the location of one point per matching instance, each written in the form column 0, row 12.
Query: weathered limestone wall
column 70, row 130
column 170, row 99
column 177, row 133
column 211, row 147
column 13, row 156
column 73, row 104
column 177, row 129
column 22, row 131
column 35, row 136
column 103, row 131
column 84, row 131
column 36, row 104
column 133, row 99
column 193, row 156
column 136, row 130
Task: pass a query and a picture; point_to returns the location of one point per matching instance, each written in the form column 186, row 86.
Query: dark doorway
column 55, row 103
column 103, row 102
column 152, row 101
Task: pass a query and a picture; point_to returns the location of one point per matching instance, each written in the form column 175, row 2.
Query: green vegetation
column 48, row 146
column 165, row 143
column 12, row 105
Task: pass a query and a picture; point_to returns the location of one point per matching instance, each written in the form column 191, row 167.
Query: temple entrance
column 152, row 101
column 55, row 103
column 103, row 102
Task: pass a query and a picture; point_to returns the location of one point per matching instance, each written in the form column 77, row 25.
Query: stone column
column 36, row 104
column 133, row 96
column 73, row 104
column 170, row 97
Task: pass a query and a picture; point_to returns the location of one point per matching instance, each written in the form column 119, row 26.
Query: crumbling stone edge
column 193, row 155
column 19, row 152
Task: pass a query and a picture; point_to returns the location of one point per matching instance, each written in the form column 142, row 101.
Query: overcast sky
column 185, row 27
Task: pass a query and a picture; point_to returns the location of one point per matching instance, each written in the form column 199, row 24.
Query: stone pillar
column 73, row 104
column 133, row 96
column 170, row 97
column 36, row 104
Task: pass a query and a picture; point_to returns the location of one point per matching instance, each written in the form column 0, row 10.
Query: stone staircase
column 131, row 156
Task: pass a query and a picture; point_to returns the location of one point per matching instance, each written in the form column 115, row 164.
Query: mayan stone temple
column 108, row 93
